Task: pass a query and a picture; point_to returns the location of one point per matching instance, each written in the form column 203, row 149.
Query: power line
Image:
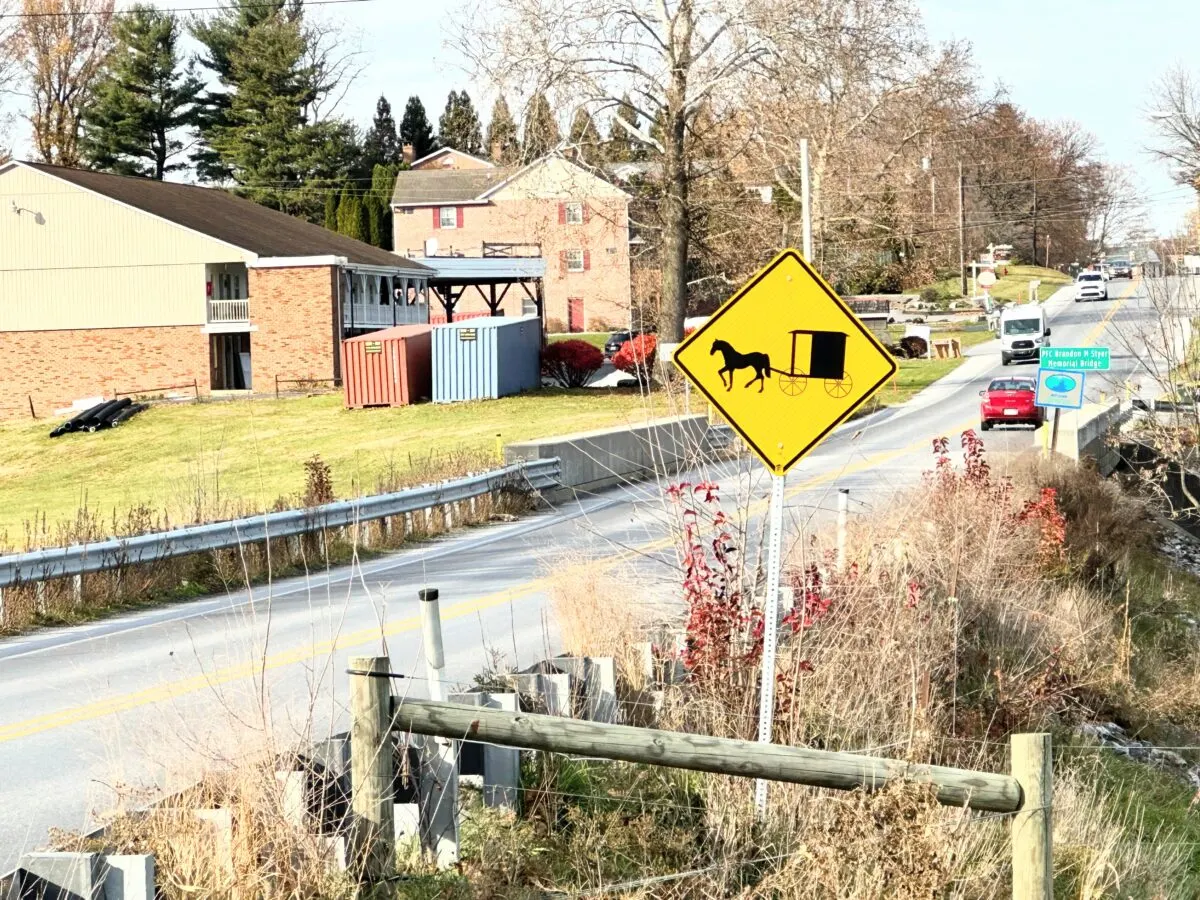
column 247, row 4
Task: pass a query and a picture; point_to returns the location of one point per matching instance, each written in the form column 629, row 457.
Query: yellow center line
column 170, row 690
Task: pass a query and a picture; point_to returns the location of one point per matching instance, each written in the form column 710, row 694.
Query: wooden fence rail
column 1026, row 792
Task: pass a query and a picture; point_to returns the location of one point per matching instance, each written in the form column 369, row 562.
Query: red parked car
column 1009, row 400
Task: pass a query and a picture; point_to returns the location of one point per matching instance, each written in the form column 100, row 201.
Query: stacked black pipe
column 108, row 414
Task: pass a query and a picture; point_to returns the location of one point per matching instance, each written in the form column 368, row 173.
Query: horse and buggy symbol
column 826, row 361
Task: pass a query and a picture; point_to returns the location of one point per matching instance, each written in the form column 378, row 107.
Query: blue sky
column 1091, row 61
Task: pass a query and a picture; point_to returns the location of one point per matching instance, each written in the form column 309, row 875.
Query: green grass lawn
column 595, row 338
column 1013, row 287
column 227, row 456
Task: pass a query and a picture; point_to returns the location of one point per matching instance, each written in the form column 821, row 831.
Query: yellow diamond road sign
column 785, row 361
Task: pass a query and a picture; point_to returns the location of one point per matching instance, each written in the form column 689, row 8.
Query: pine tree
column 459, row 125
column 383, row 182
column 541, row 129
column 331, row 210
column 375, row 226
column 502, row 145
column 621, row 145
column 584, row 140
column 364, row 220
column 256, row 128
column 350, row 216
column 416, row 130
column 142, row 99
column 382, row 144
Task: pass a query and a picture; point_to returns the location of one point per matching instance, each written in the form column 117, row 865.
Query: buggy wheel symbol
column 839, row 387
column 792, row 385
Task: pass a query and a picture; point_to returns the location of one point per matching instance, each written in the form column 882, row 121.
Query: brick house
column 453, row 204
column 115, row 284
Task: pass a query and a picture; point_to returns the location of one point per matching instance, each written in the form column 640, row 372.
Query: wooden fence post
column 372, row 767
column 1032, row 847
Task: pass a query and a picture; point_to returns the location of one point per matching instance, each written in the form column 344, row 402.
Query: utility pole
column 806, row 199
column 962, row 230
column 1047, row 251
column 932, row 184
column 1035, row 222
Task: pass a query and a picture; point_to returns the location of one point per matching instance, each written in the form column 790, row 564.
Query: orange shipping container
column 392, row 367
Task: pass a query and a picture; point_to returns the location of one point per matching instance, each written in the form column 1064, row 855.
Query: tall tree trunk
column 674, row 216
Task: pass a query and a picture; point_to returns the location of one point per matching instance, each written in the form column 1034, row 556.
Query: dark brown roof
column 446, row 185
column 221, row 215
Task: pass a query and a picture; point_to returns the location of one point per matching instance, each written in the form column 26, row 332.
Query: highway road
column 145, row 699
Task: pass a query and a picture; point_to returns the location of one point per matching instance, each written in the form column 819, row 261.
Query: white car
column 1090, row 285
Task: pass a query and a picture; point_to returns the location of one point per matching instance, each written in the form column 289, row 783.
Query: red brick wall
column 604, row 288
column 294, row 310
column 58, row 367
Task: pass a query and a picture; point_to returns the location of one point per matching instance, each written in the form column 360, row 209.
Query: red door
column 575, row 314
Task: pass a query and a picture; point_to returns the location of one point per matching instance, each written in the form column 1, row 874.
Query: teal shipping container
column 482, row 359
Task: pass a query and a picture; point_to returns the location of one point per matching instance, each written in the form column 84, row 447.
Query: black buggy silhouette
column 826, row 360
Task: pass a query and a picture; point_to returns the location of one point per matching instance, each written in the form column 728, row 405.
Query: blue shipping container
column 485, row 358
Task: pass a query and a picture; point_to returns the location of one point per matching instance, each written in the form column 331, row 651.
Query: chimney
column 406, row 153
column 497, row 151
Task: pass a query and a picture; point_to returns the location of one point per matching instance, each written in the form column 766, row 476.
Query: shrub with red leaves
column 571, row 363
column 636, row 356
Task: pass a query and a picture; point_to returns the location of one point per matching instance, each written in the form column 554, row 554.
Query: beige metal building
column 113, row 284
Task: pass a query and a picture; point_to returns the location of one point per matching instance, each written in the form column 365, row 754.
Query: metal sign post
column 766, row 702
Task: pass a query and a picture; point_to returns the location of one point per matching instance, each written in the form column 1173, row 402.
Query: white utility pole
column 766, row 704
column 438, row 781
column 843, row 515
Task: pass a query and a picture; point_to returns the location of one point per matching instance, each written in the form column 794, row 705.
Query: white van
column 1023, row 332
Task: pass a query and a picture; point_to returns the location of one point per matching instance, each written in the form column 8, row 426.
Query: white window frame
column 573, row 213
column 442, row 217
column 528, row 306
column 572, row 256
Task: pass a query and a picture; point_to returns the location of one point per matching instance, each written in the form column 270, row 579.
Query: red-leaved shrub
column 571, row 363
column 636, row 356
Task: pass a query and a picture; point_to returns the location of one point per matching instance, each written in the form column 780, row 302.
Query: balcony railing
column 376, row 315
column 224, row 311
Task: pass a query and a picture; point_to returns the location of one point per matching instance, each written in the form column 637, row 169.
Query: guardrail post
column 372, row 767
column 438, row 781
column 77, row 589
column 843, row 513
column 1032, row 847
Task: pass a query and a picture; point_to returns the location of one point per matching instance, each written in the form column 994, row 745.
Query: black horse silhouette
column 759, row 362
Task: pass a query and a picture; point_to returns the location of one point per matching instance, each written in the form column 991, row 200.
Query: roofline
column 25, row 165
column 427, row 156
column 297, row 262
column 541, row 161
column 435, row 203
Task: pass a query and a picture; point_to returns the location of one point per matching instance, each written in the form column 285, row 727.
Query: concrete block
column 408, row 821
column 553, row 689
column 293, row 798
column 597, row 459
column 220, row 823
column 58, row 876
column 129, row 877
column 337, row 850
column 595, row 681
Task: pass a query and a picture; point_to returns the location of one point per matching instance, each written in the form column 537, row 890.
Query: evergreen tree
column 256, row 128
column 144, row 96
column 350, row 216
column 382, row 144
column 416, row 130
column 364, row 220
column 459, row 126
column 331, row 210
column 383, row 182
column 621, row 145
column 541, row 129
column 584, row 140
column 502, row 145
column 375, row 212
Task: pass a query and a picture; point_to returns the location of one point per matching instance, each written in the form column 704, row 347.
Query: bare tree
column 9, row 68
column 63, row 45
column 1113, row 204
column 1175, row 117
column 669, row 59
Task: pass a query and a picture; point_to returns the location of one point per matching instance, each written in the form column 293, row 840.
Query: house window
column 574, row 260
column 447, row 217
column 574, row 213
column 528, row 306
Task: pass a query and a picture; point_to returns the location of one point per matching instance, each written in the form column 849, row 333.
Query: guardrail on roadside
column 80, row 559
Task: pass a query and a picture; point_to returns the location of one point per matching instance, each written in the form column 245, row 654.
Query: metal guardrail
column 79, row 559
